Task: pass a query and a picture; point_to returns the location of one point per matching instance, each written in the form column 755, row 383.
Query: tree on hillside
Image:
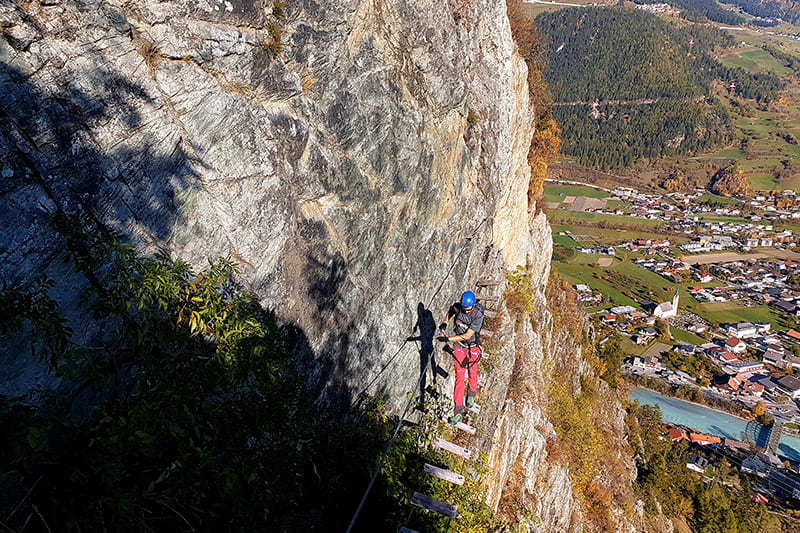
column 612, row 355
column 598, row 55
column 662, row 327
column 759, row 409
column 730, row 181
column 676, row 181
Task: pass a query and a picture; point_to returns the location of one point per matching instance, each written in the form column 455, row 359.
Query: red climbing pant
column 461, row 365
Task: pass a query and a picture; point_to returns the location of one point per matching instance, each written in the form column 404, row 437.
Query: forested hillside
column 651, row 79
column 785, row 10
column 702, row 10
column 622, row 134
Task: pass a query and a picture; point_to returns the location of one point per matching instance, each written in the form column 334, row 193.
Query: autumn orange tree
column 546, row 142
column 730, row 181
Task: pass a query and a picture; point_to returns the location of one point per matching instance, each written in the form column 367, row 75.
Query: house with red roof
column 728, row 383
column 754, row 389
column 735, row 345
column 677, row 434
column 699, row 438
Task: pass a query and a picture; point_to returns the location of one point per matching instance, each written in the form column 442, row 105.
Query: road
column 640, row 101
column 554, row 3
column 578, row 184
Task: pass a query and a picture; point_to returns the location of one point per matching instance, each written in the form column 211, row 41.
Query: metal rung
column 487, row 283
column 488, row 298
column 487, row 333
column 446, row 475
column 474, row 409
column 406, row 530
column 490, row 314
column 452, row 448
column 464, row 427
column 426, row 502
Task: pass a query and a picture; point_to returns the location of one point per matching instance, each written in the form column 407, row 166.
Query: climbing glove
column 442, row 338
column 443, row 326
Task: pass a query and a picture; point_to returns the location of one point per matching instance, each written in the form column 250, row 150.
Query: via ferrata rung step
column 452, row 448
column 426, row 502
column 474, row 409
column 446, row 475
column 465, row 427
column 487, row 283
column 486, row 298
column 406, row 530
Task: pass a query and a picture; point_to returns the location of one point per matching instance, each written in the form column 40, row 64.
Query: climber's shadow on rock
column 426, row 327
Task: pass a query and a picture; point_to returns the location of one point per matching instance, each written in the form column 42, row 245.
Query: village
column 714, row 225
column 724, row 319
column 746, row 364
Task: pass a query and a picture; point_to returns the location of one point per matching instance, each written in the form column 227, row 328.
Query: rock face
column 364, row 161
column 376, row 163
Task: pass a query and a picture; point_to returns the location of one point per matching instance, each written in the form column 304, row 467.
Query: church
column 667, row 309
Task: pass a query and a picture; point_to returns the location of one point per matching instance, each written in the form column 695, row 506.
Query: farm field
column 687, row 337
column 625, row 283
column 701, row 259
column 767, row 134
column 723, row 312
column 630, row 348
column 705, row 259
column 557, row 193
column 577, row 274
column 756, row 59
column 565, row 217
column 595, row 236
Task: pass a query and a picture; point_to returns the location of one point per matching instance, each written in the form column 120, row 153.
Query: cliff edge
column 364, row 161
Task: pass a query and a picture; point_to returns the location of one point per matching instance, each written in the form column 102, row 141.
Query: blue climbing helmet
column 468, row 299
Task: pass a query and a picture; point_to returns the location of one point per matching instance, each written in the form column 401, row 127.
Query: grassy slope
column 583, row 269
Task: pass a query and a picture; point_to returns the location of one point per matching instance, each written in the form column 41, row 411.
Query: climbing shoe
column 455, row 419
column 470, row 402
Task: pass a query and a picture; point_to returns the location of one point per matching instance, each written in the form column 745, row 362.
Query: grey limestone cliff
column 363, row 161
column 343, row 174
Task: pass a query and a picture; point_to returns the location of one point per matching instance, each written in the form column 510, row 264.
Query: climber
column 468, row 319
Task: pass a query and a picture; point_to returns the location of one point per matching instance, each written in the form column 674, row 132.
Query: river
column 711, row 422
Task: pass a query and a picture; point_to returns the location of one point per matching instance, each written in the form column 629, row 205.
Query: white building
column 667, row 309
column 742, row 330
column 622, row 309
column 735, row 345
column 743, row 368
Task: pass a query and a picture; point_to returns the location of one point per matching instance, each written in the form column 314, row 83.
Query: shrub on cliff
column 188, row 411
column 521, row 294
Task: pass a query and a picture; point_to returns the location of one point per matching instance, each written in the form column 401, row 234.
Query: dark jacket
column 462, row 321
